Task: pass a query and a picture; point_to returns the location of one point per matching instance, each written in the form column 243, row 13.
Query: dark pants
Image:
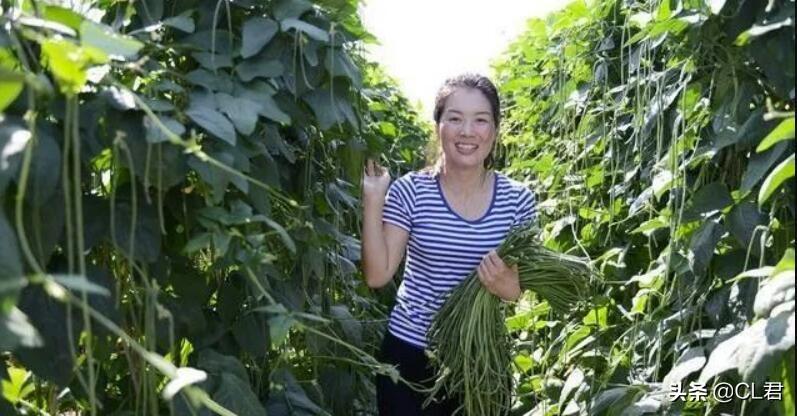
column 397, row 398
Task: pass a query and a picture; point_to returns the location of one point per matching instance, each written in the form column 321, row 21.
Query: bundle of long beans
column 469, row 341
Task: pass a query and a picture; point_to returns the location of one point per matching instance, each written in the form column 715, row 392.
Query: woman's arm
column 383, row 245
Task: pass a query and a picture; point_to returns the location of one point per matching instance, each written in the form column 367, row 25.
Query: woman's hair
column 470, row 81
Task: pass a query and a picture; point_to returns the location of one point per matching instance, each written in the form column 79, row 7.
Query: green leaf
column 289, row 397
column 690, row 361
column 155, row 133
column 219, row 82
column 62, row 15
column 759, row 164
column 18, row 386
column 237, row 396
column 352, row 328
column 278, row 327
column 263, row 67
column 182, row 22
column 257, row 32
column 338, row 63
column 16, row 329
column 212, row 121
column 286, row 239
column 11, row 83
column 757, row 349
column 146, row 244
column 285, row 9
column 14, row 137
column 252, row 334
column 742, row 222
column 105, row 39
column 242, row 112
column 218, row 364
column 702, row 245
column 312, row 31
column 52, row 361
column 784, row 131
column 213, row 176
column 781, row 173
column 708, row 200
column 212, row 61
column 263, row 100
column 11, row 278
column 69, row 63
column 775, row 291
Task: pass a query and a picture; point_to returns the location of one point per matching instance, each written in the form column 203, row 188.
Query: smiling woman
column 449, row 218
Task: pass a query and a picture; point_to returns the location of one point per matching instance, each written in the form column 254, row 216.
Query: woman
column 449, row 218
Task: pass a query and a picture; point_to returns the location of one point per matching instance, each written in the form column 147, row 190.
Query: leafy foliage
column 176, row 190
column 657, row 134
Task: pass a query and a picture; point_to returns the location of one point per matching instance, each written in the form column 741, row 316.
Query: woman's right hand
column 376, row 181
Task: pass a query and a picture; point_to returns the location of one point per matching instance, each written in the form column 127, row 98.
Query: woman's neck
column 463, row 181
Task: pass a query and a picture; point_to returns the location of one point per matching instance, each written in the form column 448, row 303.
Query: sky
column 423, row 42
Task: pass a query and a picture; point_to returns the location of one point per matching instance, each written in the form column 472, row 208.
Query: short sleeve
column 399, row 203
column 526, row 209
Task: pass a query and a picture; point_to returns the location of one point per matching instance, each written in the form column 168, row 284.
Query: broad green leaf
column 785, row 263
column 263, row 67
column 755, row 351
column 11, row 83
column 352, row 328
column 312, row 31
column 69, row 63
column 53, row 360
column 702, row 245
column 252, row 334
column 213, row 61
column 759, row 164
column 573, row 382
column 257, row 32
column 183, row 22
column 215, row 41
column 284, row 9
column 242, row 112
column 212, row 121
column 105, row 39
column 742, row 222
column 237, row 396
column 338, row 63
column 218, row 364
column 14, row 137
column 784, row 131
column 197, row 243
column 782, row 172
column 707, row 201
column 690, row 361
column 213, row 176
column 324, row 107
column 62, row 15
column 774, row 291
column 279, row 326
column 155, row 133
column 291, row 398
column 18, row 386
column 16, row 329
column 11, row 278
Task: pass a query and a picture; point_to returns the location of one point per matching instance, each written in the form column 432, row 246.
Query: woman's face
column 466, row 129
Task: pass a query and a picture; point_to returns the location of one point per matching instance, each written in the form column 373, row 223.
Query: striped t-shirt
column 444, row 248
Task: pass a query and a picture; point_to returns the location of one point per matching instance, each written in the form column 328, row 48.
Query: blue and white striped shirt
column 444, row 248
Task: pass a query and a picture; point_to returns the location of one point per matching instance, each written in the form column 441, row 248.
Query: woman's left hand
column 498, row 278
